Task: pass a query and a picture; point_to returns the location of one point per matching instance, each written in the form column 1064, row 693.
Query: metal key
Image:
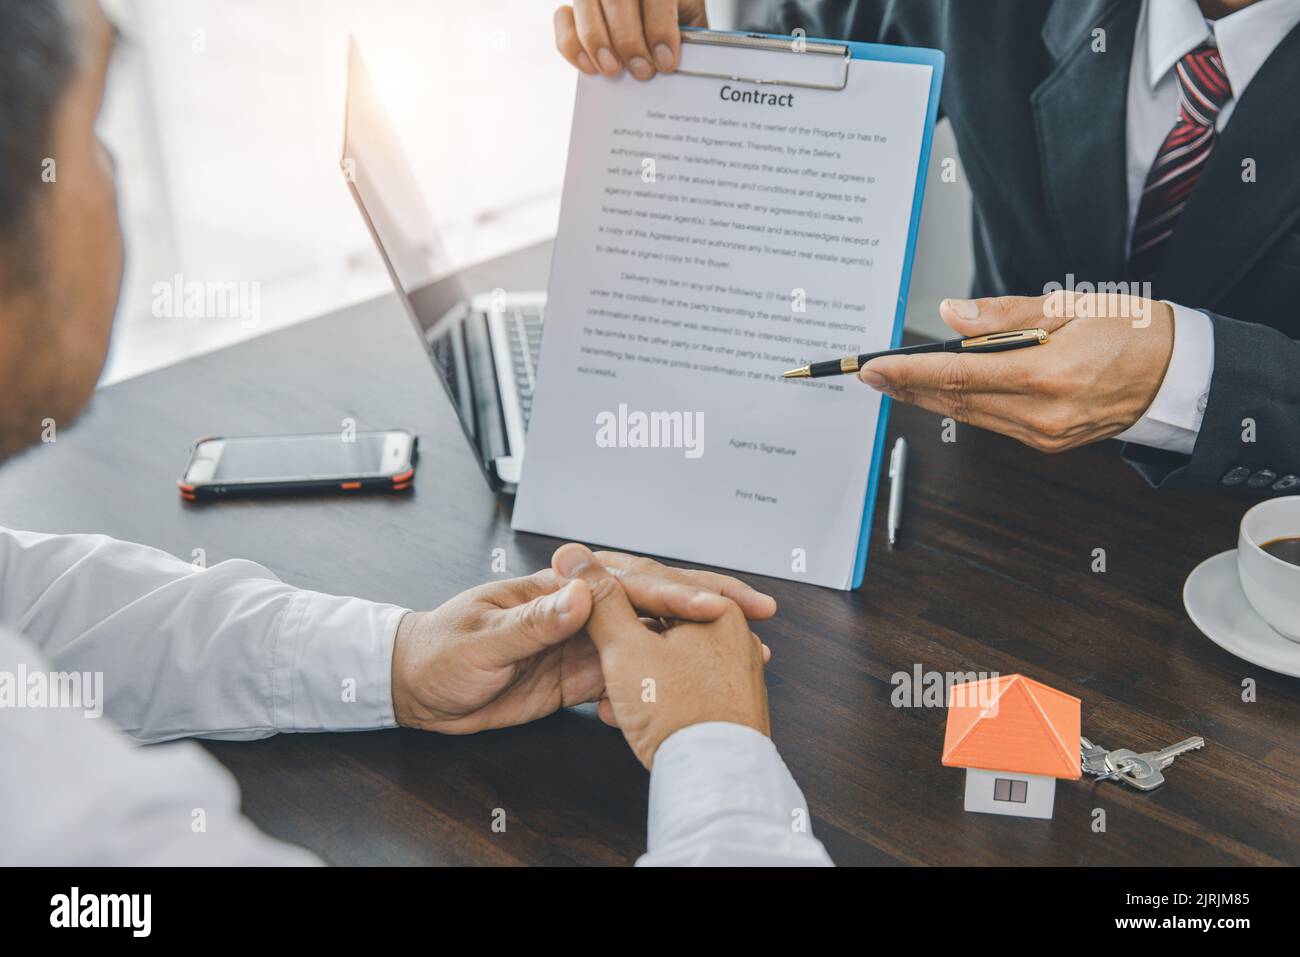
column 1134, row 769
column 1145, row 771
column 1165, row 756
column 1095, row 760
column 1093, row 757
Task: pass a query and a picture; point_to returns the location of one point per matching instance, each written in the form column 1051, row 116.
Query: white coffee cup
column 1272, row 586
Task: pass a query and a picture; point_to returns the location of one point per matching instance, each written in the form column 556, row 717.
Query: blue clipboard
column 850, row 51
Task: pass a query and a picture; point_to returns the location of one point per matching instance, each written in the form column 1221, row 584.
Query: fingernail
column 873, row 379
column 571, row 562
column 640, row 67
column 584, row 62
column 663, row 56
column 606, row 61
column 964, row 308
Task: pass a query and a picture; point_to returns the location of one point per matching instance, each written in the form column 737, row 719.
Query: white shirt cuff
column 719, row 771
column 1173, row 419
column 332, row 665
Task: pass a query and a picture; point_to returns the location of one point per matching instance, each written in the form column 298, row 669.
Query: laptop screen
column 431, row 291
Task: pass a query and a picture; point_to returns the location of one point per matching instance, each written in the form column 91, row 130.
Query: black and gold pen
column 993, row 342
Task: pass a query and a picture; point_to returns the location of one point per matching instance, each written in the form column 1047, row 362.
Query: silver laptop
column 484, row 346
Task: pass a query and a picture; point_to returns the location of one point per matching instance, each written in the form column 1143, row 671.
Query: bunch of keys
column 1142, row 771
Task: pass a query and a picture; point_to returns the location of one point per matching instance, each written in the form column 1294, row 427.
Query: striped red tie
column 1202, row 91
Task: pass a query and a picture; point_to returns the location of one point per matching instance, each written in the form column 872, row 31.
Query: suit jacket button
column 1286, row 483
column 1236, row 476
column 1261, row 478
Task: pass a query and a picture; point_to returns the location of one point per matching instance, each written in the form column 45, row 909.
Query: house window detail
column 1006, row 789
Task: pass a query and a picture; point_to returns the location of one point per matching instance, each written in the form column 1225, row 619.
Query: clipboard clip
column 756, row 41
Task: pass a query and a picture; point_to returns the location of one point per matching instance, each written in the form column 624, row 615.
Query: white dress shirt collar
column 1245, row 38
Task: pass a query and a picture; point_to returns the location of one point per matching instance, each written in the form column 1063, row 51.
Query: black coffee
column 1287, row 549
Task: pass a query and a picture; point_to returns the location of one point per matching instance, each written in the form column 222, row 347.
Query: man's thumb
column 977, row 317
column 612, row 614
column 547, row 620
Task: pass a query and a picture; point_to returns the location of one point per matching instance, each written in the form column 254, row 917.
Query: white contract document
column 713, row 233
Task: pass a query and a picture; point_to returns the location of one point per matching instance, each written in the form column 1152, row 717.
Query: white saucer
column 1213, row 598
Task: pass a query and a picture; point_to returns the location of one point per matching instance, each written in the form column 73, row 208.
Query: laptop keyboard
column 524, row 332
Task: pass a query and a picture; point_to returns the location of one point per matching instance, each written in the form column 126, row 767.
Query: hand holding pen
column 1101, row 370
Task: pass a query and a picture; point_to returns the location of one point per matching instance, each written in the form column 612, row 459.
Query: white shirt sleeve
column 75, row 793
column 226, row 652
column 231, row 652
column 1173, row 419
column 721, row 795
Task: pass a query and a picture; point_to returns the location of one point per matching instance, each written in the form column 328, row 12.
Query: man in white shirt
column 1134, row 162
column 103, row 641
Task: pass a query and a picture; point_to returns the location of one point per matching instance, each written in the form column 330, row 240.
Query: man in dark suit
column 1133, row 173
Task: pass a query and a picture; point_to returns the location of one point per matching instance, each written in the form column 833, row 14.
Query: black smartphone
column 342, row 461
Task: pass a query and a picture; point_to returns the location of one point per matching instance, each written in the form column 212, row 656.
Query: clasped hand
column 659, row 648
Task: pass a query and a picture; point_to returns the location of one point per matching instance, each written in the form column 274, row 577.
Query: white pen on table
column 897, row 475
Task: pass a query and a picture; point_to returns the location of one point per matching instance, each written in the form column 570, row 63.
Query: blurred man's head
column 60, row 246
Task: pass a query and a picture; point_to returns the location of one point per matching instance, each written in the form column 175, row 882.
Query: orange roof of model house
column 1012, row 723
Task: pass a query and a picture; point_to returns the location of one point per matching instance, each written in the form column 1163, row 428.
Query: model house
column 1015, row 737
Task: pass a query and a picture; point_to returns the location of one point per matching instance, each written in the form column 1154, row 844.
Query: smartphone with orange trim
column 347, row 462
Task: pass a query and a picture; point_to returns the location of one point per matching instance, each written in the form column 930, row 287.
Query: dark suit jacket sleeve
column 1256, row 377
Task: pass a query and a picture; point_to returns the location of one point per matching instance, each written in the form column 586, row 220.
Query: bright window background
column 226, row 118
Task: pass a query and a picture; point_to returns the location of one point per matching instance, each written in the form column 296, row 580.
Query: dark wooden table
column 994, row 574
